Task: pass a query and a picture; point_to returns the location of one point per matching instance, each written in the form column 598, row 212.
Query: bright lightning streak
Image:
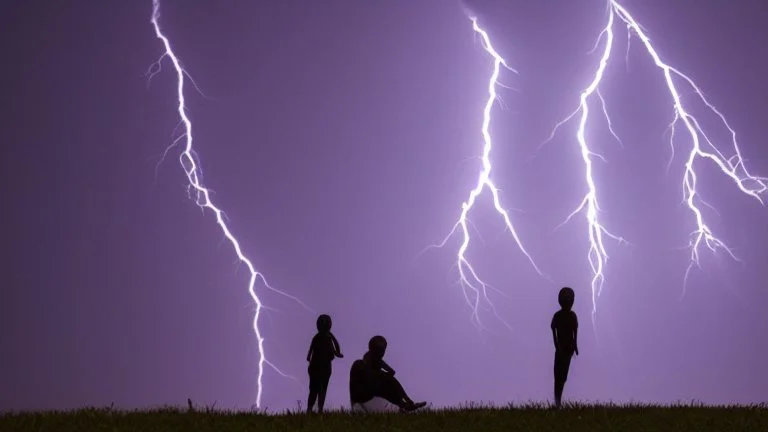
column 597, row 256
column 701, row 148
column 468, row 277
column 189, row 163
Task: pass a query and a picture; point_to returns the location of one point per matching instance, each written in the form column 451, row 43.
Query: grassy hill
column 575, row 418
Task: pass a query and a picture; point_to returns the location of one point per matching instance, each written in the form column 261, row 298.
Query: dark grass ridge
column 576, row 418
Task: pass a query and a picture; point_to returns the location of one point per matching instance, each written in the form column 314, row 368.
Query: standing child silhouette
column 565, row 327
column 323, row 349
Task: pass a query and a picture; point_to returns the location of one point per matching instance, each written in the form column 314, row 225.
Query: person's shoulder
column 555, row 319
column 358, row 366
column 573, row 319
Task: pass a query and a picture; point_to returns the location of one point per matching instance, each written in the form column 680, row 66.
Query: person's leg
column 392, row 391
column 559, row 385
column 311, row 400
column 323, row 391
column 313, row 390
column 566, row 368
column 562, row 364
column 558, row 380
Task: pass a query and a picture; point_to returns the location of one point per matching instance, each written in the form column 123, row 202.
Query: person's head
column 324, row 323
column 566, row 297
column 377, row 346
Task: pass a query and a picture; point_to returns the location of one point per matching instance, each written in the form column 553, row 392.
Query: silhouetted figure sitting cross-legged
column 372, row 378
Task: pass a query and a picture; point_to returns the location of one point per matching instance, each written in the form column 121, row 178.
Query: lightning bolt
column 189, row 162
column 469, row 279
column 702, row 148
column 597, row 255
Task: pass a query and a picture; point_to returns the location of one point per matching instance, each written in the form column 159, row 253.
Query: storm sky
column 340, row 138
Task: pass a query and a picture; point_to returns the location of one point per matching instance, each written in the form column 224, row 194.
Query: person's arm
column 554, row 333
column 387, row 368
column 311, row 348
column 575, row 334
column 336, row 347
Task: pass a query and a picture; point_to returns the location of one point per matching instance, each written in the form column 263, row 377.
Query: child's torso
column 322, row 348
column 565, row 325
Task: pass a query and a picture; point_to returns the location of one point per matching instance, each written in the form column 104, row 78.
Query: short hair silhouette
column 377, row 345
column 566, row 298
column 324, row 323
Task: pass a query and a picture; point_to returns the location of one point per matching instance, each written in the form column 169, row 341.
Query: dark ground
column 591, row 418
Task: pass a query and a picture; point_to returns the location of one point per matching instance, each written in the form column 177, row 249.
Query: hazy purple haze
column 341, row 138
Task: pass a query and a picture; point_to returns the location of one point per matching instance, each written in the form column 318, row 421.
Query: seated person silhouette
column 372, row 383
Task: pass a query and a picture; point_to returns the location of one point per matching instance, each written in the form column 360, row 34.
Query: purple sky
column 341, row 138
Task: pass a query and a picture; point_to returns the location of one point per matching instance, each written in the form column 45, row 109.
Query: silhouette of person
column 565, row 327
column 371, row 377
column 323, row 349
